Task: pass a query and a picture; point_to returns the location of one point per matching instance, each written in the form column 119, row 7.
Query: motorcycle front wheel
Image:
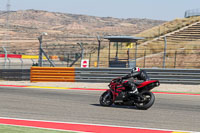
column 146, row 101
column 106, row 99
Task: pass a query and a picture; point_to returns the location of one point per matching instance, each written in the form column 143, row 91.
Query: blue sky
column 151, row 9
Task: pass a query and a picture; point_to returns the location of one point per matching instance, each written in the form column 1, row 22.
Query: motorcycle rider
column 135, row 77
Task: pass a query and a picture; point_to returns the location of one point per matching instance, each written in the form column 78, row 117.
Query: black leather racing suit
column 134, row 78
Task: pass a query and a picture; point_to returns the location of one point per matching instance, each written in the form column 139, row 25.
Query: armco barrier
column 52, row 74
column 176, row 76
column 15, row 74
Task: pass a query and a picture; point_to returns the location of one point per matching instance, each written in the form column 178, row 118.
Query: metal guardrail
column 15, row 74
column 191, row 13
column 175, row 76
column 52, row 74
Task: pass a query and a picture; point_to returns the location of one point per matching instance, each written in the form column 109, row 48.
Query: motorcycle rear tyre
column 146, row 105
column 106, row 99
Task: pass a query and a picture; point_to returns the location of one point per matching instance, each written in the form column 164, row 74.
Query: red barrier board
column 11, row 55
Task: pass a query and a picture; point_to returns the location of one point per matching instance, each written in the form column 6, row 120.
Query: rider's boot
column 134, row 90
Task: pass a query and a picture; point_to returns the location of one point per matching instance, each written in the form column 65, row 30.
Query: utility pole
column 99, row 48
column 41, row 52
column 7, row 25
column 6, row 34
column 165, row 48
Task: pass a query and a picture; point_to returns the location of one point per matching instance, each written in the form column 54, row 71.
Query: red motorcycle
column 118, row 94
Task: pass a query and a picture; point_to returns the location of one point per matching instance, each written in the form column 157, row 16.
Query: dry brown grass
column 167, row 27
column 183, row 47
column 172, row 46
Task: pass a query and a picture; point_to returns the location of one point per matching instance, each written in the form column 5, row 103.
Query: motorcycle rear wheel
column 147, row 101
column 106, row 99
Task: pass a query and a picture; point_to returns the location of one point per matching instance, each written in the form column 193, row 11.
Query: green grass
column 19, row 129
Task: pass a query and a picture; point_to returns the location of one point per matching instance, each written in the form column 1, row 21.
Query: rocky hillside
column 19, row 35
column 71, row 24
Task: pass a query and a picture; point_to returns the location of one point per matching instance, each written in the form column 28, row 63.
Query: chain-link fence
column 69, row 52
column 63, row 51
column 158, row 56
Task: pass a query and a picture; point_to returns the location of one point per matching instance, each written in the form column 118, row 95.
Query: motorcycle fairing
column 145, row 83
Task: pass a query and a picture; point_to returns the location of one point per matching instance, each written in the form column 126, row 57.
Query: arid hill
column 35, row 21
column 19, row 31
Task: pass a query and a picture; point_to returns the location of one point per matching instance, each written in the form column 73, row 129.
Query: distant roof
column 123, row 38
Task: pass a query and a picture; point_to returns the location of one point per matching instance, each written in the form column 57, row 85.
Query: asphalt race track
column 173, row 112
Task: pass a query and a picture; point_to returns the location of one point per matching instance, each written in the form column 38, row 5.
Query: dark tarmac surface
column 173, row 112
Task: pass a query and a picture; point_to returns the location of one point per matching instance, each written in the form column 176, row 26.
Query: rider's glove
column 120, row 80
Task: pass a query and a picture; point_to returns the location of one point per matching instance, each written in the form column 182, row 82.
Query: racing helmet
column 135, row 69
